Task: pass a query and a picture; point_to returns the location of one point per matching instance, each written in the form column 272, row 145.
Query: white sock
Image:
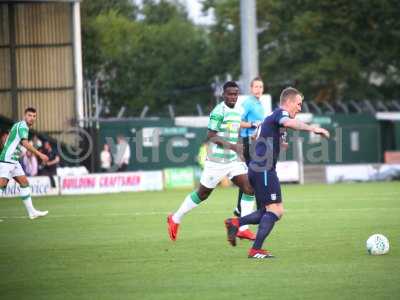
column 247, row 207
column 27, row 200
column 191, row 201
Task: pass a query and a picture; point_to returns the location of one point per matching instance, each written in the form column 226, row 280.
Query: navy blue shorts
column 267, row 188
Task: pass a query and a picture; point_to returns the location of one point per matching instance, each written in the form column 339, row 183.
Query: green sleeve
column 215, row 121
column 23, row 132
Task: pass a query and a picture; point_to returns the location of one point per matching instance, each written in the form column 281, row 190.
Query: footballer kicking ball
column 377, row 244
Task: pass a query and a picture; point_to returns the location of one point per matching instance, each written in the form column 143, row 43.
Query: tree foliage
column 154, row 56
column 90, row 9
column 330, row 49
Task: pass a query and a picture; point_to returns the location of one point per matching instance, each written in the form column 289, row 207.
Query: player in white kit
column 9, row 160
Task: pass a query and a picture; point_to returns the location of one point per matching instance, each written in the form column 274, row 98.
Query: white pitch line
column 112, row 215
column 164, row 213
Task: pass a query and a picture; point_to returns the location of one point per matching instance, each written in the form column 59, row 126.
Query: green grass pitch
column 115, row 246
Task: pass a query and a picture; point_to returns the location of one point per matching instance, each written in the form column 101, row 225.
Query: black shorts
column 267, row 188
column 246, row 149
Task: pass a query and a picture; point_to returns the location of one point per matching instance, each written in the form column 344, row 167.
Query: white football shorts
column 10, row 170
column 214, row 172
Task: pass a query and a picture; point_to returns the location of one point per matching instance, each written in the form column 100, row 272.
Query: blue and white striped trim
column 265, row 178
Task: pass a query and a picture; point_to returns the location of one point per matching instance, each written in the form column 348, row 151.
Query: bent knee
column 276, row 209
column 247, row 189
column 279, row 214
column 3, row 182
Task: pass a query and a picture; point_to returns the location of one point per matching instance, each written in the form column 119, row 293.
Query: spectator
column 105, row 158
column 49, row 168
column 30, row 164
column 123, row 154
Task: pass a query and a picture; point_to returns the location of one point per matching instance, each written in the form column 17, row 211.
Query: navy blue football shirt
column 267, row 145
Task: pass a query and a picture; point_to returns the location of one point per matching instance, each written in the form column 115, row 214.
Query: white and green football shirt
column 226, row 122
column 12, row 148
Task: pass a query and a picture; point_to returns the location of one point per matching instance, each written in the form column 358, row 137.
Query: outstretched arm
column 34, row 151
column 299, row 125
column 244, row 124
column 54, row 161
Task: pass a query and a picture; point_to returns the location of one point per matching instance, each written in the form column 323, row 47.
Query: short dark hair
column 30, row 109
column 287, row 93
column 229, row 84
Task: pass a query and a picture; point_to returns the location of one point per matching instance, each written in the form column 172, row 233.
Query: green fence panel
column 156, row 144
column 397, row 135
column 354, row 139
column 179, row 178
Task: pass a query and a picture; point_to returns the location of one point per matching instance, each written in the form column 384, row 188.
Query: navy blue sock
column 267, row 222
column 253, row 218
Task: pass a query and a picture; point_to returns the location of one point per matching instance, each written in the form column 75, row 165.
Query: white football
column 377, row 244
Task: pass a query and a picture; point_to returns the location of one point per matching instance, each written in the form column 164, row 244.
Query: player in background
column 252, row 117
column 262, row 171
column 224, row 155
column 9, row 160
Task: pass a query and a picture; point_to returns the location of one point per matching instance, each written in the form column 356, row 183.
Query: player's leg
column 3, row 184
column 232, row 224
column 247, row 203
column 246, row 153
column 256, row 182
column 273, row 213
column 211, row 176
column 238, row 209
column 5, row 175
column 25, row 192
column 5, row 170
column 191, row 201
column 267, row 191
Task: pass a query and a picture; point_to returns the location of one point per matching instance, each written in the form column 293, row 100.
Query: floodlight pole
column 249, row 47
column 77, row 56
